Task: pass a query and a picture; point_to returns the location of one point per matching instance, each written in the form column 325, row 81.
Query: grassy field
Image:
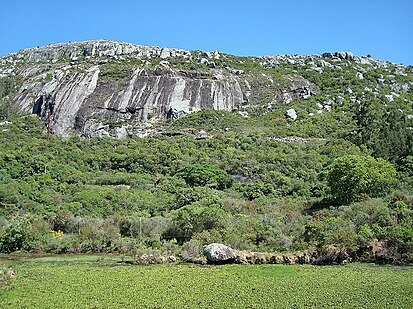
column 102, row 282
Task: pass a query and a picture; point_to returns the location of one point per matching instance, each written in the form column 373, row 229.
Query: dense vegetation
column 87, row 283
column 250, row 192
column 348, row 181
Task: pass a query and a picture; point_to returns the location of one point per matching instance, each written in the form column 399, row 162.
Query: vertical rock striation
column 97, row 83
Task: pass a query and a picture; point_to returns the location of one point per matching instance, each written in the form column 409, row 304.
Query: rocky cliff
column 105, row 88
column 94, row 83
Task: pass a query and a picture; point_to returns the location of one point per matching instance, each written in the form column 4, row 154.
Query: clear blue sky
column 382, row 28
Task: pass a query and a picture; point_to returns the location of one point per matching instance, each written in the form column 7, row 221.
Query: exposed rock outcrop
column 339, row 55
column 97, row 48
column 96, row 83
column 79, row 97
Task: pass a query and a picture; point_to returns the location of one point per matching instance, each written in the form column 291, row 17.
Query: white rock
column 219, row 253
column 165, row 53
column 291, row 113
column 164, row 63
column 121, row 132
column 201, row 135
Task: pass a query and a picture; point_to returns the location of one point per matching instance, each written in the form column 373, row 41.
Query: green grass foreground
column 93, row 282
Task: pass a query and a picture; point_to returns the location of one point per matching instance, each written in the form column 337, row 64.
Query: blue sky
column 382, row 28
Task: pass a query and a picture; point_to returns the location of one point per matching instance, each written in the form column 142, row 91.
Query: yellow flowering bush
column 56, row 234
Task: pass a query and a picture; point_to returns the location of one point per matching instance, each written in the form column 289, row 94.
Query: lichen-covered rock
column 219, row 253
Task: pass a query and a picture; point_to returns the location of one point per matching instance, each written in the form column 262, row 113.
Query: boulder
column 202, row 135
column 383, row 253
column 290, row 259
column 243, row 257
column 291, row 113
column 171, row 259
column 211, row 64
column 146, row 259
column 304, row 258
column 165, row 53
column 248, row 257
column 389, row 97
column 276, row 259
column 219, row 253
column 339, row 55
column 121, row 132
column 331, row 254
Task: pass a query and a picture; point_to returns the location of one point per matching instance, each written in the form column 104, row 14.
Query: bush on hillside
column 205, row 175
column 350, row 177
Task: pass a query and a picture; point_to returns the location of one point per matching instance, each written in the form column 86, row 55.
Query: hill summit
column 107, row 88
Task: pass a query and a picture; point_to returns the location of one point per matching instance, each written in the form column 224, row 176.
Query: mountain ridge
column 94, row 83
column 121, row 48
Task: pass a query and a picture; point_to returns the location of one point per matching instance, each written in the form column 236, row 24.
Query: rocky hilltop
column 106, row 88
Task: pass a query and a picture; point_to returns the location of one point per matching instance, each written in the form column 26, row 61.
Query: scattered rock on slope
column 291, row 113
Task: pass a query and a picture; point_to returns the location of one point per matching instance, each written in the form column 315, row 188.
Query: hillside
column 166, row 150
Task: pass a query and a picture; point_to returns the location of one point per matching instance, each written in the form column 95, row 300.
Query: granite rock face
column 79, row 97
column 96, row 83
column 97, row 48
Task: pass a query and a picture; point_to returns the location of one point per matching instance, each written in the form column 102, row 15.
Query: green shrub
column 15, row 235
column 63, row 221
column 205, row 175
column 193, row 218
column 202, row 195
column 351, row 176
column 327, row 229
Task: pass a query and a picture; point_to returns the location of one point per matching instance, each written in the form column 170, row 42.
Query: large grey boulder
column 219, row 253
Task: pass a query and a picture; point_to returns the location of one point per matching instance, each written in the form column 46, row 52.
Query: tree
column 384, row 129
column 205, row 175
column 193, row 218
column 351, row 176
